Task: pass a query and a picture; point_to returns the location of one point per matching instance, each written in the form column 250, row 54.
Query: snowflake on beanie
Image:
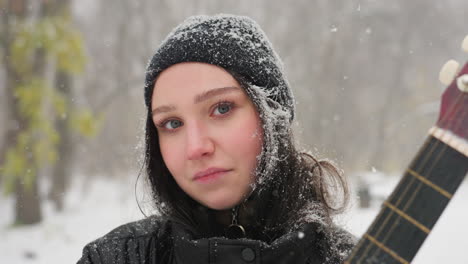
column 235, row 43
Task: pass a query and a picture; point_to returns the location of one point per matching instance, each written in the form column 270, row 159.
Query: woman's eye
column 222, row 108
column 172, row 124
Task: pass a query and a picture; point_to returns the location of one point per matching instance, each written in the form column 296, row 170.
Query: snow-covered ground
column 107, row 204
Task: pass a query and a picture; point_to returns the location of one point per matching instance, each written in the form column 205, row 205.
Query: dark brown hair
column 297, row 183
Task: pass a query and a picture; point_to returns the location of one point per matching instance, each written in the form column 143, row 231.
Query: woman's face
column 209, row 133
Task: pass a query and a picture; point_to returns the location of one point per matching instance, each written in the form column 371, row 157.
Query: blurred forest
column 364, row 73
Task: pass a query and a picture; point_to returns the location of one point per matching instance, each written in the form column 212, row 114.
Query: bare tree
column 27, row 204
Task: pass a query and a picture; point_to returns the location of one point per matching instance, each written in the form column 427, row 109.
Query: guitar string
column 390, row 213
column 381, row 215
column 418, row 186
column 409, row 202
column 404, row 190
column 438, row 158
column 361, row 241
column 381, row 212
column 412, row 180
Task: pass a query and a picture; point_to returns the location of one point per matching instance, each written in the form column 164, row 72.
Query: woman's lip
column 211, row 171
column 210, row 178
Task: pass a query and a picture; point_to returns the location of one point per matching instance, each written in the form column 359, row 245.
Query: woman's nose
column 199, row 142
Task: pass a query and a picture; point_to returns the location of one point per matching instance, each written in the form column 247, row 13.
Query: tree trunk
column 61, row 171
column 63, row 84
column 28, row 203
column 27, row 198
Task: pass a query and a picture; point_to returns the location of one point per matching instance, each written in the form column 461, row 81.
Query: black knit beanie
column 235, row 43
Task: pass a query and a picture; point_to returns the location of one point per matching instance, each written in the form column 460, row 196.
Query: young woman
column 228, row 182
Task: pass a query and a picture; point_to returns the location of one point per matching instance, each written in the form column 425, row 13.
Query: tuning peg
column 465, row 44
column 448, row 72
column 462, row 83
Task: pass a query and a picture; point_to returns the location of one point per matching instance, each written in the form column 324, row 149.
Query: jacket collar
column 294, row 247
column 252, row 215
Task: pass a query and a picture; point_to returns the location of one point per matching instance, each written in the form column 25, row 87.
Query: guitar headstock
column 453, row 115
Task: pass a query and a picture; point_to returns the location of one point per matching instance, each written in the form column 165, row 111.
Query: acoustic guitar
column 408, row 215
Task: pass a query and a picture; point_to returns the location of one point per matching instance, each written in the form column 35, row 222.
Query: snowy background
column 364, row 70
column 109, row 203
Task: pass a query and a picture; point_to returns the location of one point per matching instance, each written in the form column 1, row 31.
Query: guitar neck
column 409, row 214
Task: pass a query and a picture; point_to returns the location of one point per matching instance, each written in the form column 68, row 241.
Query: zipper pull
column 235, row 230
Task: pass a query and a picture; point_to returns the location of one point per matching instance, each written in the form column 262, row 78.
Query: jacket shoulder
column 126, row 243
column 145, row 227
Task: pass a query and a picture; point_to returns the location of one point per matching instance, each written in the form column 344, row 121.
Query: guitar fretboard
column 411, row 211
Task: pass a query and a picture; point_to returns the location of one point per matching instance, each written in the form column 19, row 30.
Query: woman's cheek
column 247, row 136
column 169, row 152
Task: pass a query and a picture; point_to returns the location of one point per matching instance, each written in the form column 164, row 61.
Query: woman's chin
column 224, row 199
column 221, row 204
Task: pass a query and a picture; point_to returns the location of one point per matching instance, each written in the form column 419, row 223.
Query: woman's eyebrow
column 214, row 92
column 163, row 109
column 199, row 98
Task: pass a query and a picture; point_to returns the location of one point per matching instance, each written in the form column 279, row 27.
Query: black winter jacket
column 156, row 241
